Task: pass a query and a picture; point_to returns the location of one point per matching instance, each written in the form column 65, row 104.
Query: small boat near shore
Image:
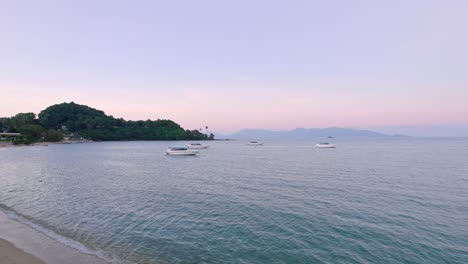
column 325, row 145
column 197, row 146
column 181, row 151
column 255, row 143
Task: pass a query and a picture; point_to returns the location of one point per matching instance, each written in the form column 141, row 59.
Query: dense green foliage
column 14, row 123
column 74, row 117
column 53, row 135
column 26, row 124
column 31, row 131
column 92, row 124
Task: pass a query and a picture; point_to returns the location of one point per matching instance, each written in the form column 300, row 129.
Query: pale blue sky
column 242, row 64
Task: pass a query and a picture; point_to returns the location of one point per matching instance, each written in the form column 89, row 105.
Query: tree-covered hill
column 74, row 116
column 93, row 124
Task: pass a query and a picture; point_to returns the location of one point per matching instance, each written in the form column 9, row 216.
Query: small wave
column 18, row 217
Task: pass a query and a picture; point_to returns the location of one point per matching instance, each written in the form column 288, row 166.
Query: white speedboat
column 197, row 146
column 255, row 143
column 325, row 145
column 182, row 151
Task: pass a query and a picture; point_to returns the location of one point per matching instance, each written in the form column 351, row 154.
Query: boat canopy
column 178, row 148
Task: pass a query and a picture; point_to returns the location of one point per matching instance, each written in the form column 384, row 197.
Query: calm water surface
column 368, row 201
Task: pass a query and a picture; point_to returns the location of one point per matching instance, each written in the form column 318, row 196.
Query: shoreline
column 9, row 144
column 45, row 144
column 9, row 254
column 22, row 243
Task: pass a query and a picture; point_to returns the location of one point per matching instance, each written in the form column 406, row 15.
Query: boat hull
column 181, row 152
column 255, row 144
column 197, row 147
column 325, row 146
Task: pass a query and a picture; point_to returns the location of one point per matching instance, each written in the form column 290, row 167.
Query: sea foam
column 18, row 217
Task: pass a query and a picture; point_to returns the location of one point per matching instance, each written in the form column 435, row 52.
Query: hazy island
column 71, row 121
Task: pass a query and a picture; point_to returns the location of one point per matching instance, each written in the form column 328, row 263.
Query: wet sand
column 9, row 254
column 20, row 244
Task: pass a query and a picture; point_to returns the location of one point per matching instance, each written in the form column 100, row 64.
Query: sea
column 381, row 200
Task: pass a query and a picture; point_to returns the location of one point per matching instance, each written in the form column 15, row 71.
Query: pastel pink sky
column 249, row 64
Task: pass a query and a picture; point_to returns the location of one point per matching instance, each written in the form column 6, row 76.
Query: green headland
column 81, row 122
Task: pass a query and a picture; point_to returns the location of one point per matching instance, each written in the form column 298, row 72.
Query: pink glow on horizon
column 231, row 112
column 283, row 65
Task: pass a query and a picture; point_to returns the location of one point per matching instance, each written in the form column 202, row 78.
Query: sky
column 391, row 66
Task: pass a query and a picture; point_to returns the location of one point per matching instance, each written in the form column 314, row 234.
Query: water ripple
column 396, row 201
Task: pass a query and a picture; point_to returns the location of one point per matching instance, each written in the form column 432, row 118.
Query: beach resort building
column 9, row 136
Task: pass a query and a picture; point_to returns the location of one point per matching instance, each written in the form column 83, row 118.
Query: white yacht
column 325, row 145
column 197, row 146
column 255, row 143
column 181, row 151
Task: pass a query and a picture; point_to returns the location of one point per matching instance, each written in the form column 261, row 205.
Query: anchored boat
column 197, row 146
column 255, row 143
column 181, row 151
column 325, row 145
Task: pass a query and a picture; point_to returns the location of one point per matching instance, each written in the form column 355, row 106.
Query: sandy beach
column 5, row 144
column 9, row 254
column 21, row 244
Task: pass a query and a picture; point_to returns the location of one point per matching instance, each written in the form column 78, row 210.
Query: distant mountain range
column 304, row 133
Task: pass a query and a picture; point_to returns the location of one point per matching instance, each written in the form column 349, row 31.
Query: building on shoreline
column 9, row 136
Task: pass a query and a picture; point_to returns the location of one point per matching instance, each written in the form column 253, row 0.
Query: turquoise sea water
column 367, row 201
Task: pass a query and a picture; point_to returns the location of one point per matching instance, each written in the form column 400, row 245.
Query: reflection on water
column 382, row 200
